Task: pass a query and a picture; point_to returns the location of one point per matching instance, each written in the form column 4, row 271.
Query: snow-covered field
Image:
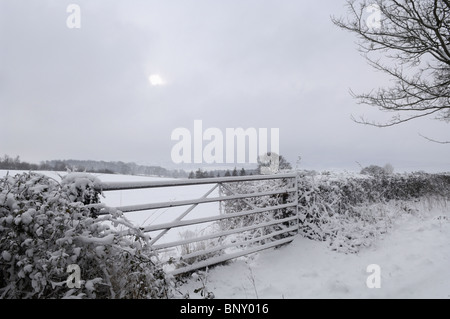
column 414, row 261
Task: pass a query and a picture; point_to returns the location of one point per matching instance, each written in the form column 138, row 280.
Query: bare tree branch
column 433, row 140
column 411, row 44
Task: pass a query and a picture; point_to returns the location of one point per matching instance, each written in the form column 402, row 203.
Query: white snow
column 107, row 240
column 27, row 216
column 6, row 255
column 414, row 259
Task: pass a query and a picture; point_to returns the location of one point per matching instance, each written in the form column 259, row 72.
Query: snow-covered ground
column 414, row 261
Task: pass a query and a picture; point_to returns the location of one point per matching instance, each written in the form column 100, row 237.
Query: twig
column 434, row 141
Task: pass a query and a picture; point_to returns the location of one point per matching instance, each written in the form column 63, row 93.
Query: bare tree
column 410, row 41
column 271, row 162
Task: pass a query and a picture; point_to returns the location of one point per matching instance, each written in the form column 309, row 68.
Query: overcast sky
column 85, row 93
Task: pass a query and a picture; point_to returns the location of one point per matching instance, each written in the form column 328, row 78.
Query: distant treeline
column 283, row 165
column 222, row 173
column 14, row 163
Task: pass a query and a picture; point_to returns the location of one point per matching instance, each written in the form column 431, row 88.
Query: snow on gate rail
column 242, row 247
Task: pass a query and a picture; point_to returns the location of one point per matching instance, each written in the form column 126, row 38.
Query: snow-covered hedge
column 45, row 226
column 348, row 211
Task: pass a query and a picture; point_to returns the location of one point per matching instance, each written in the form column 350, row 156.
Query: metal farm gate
column 282, row 227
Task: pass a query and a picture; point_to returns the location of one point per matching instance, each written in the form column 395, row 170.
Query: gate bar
column 112, row 186
column 214, row 218
column 136, row 208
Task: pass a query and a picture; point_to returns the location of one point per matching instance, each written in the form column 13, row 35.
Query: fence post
column 220, row 195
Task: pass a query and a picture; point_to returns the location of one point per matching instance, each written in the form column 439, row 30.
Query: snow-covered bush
column 45, row 226
column 350, row 211
column 82, row 187
column 250, row 203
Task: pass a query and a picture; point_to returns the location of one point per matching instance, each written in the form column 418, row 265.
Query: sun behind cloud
column 156, row 80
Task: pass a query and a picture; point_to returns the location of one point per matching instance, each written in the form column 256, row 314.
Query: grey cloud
column 84, row 93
